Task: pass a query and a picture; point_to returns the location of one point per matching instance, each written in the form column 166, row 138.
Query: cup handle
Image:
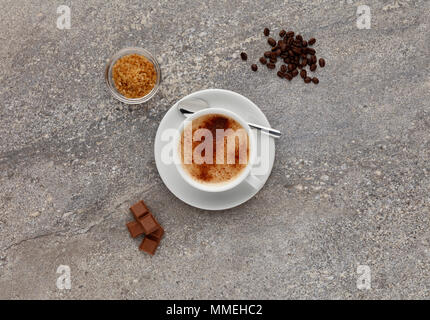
column 253, row 181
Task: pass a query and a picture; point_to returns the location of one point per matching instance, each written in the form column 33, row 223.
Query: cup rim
column 110, row 82
column 226, row 186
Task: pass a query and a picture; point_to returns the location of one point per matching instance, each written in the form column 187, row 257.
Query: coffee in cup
column 214, row 149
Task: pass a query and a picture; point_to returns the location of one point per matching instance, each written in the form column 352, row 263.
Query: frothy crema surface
column 214, row 149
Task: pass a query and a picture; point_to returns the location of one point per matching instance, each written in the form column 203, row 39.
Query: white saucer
column 213, row 200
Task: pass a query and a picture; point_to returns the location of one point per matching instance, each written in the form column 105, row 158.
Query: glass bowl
column 111, row 84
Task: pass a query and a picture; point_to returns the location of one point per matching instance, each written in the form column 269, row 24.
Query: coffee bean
column 271, row 65
column 313, row 59
column 271, row 41
column 294, row 51
column 297, row 50
column 310, row 51
column 303, row 74
column 283, row 46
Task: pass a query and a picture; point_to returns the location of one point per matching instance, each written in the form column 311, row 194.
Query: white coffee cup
column 245, row 175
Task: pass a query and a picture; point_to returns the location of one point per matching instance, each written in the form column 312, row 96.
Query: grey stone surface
column 351, row 180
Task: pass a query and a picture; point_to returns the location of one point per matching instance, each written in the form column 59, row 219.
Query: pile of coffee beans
column 294, row 51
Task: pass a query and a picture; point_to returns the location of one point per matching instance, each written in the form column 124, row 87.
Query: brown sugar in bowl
column 133, row 75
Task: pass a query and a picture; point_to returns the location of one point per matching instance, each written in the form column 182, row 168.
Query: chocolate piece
column 157, row 234
column 148, row 223
column 149, row 245
column 135, row 229
column 145, row 223
column 139, row 209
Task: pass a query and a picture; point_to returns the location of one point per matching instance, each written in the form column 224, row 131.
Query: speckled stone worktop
column 351, row 180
